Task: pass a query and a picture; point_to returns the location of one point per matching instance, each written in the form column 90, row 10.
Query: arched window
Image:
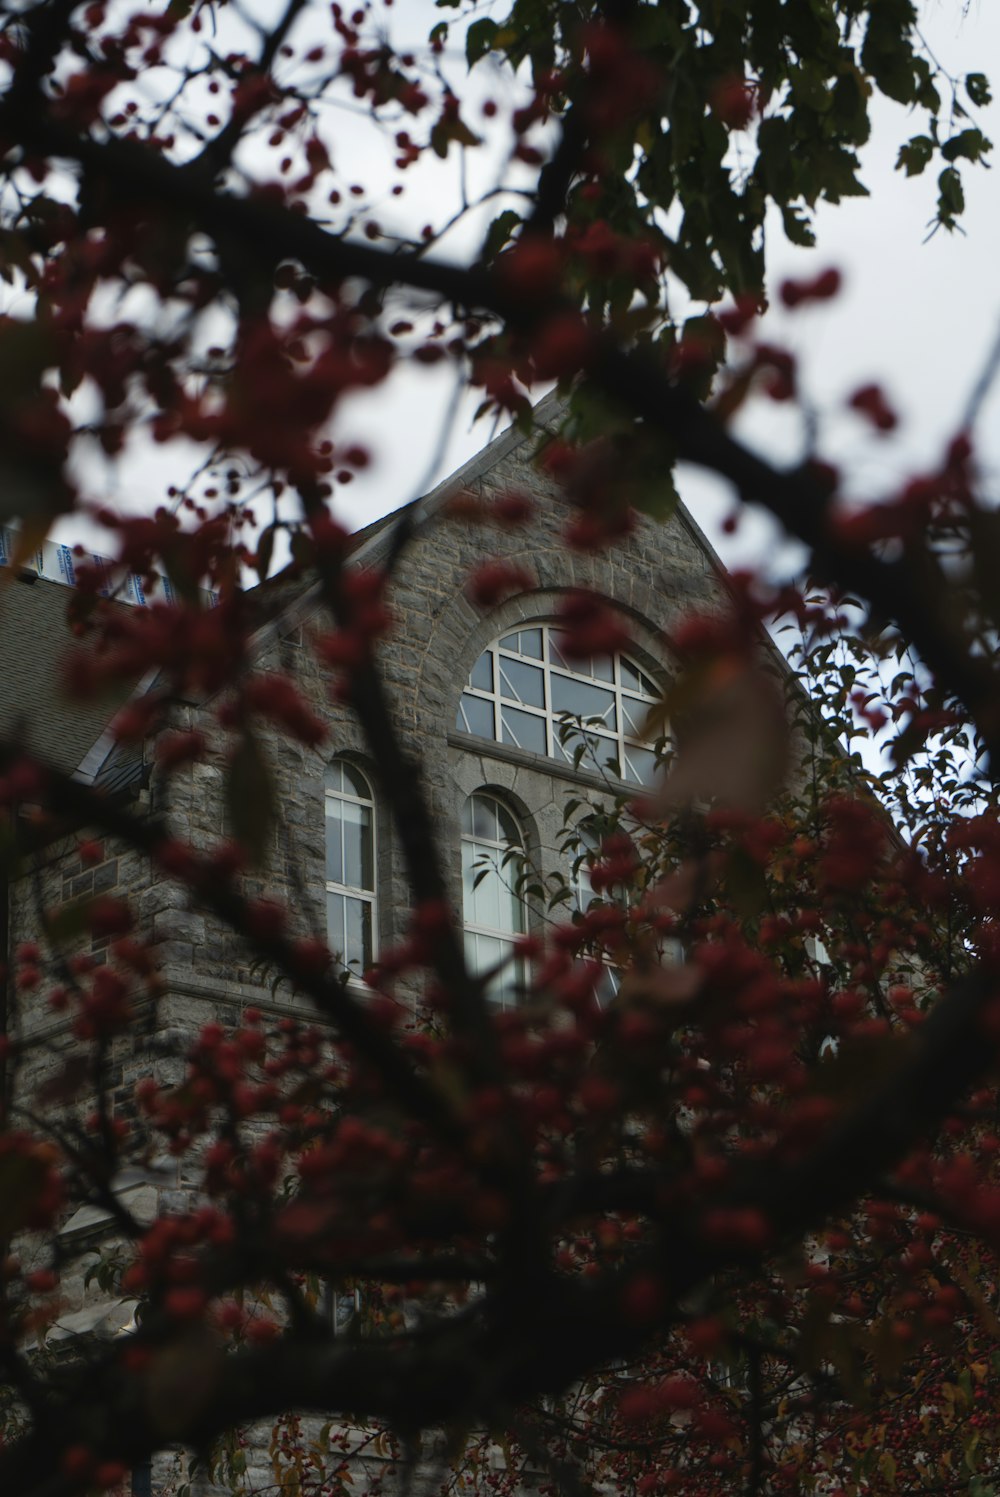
column 350, row 866
column 493, row 910
column 526, row 691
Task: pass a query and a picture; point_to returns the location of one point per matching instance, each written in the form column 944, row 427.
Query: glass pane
column 512, row 642
column 334, row 841
column 358, row 861
column 599, row 756
column 485, row 954
column 634, row 679
column 569, row 695
column 523, row 730
column 358, row 934
column 475, row 715
column 556, row 655
column 482, row 672
column 607, row 985
column 634, row 717
column 602, row 667
column 531, row 643
column 349, row 930
column 484, row 817
column 505, row 989
column 640, row 765
column 568, row 739
column 483, row 896
column 482, row 952
column 354, row 782
column 630, row 676
column 508, row 827
column 522, row 683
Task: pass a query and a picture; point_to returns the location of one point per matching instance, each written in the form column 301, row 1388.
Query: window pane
column 349, row 925
column 483, row 809
column 599, row 756
column 475, row 715
column 358, row 861
column 482, row 672
column 634, row 717
column 607, row 985
column 531, row 643
column 634, row 679
column 568, row 739
column 583, row 700
column 556, row 655
column 602, row 667
column 334, row 841
column 484, row 897
column 482, row 952
column 509, row 833
column 523, row 730
column 640, row 765
column 505, row 989
column 354, row 782
column 485, row 954
column 358, row 938
column 522, row 683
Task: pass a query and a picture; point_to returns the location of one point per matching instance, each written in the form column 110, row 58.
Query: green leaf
column 977, row 86
column 250, row 798
column 969, row 144
column 915, row 155
column 448, row 129
column 951, row 197
column 499, row 232
column 798, row 228
column 479, row 39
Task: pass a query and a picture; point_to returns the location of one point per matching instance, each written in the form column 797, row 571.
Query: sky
column 918, row 314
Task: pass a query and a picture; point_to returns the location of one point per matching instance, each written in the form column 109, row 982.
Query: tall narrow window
column 350, row 866
column 492, row 851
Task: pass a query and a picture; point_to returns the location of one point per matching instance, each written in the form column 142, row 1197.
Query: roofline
column 376, row 534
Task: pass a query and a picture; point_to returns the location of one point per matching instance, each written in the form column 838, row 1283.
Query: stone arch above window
column 351, row 892
column 526, row 691
column 492, row 904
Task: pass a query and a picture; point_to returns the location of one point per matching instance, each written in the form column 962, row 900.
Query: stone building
column 483, row 697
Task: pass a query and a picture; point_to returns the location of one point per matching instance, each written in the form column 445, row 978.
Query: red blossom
column 590, row 627
column 821, row 288
column 492, row 581
column 870, row 401
column 735, row 101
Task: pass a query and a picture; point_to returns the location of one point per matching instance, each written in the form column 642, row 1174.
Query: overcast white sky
column 919, row 315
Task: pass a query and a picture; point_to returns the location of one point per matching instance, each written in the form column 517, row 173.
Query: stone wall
column 651, row 577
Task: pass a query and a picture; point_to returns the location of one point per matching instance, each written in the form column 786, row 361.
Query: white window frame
column 609, row 674
column 368, row 898
column 507, row 859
